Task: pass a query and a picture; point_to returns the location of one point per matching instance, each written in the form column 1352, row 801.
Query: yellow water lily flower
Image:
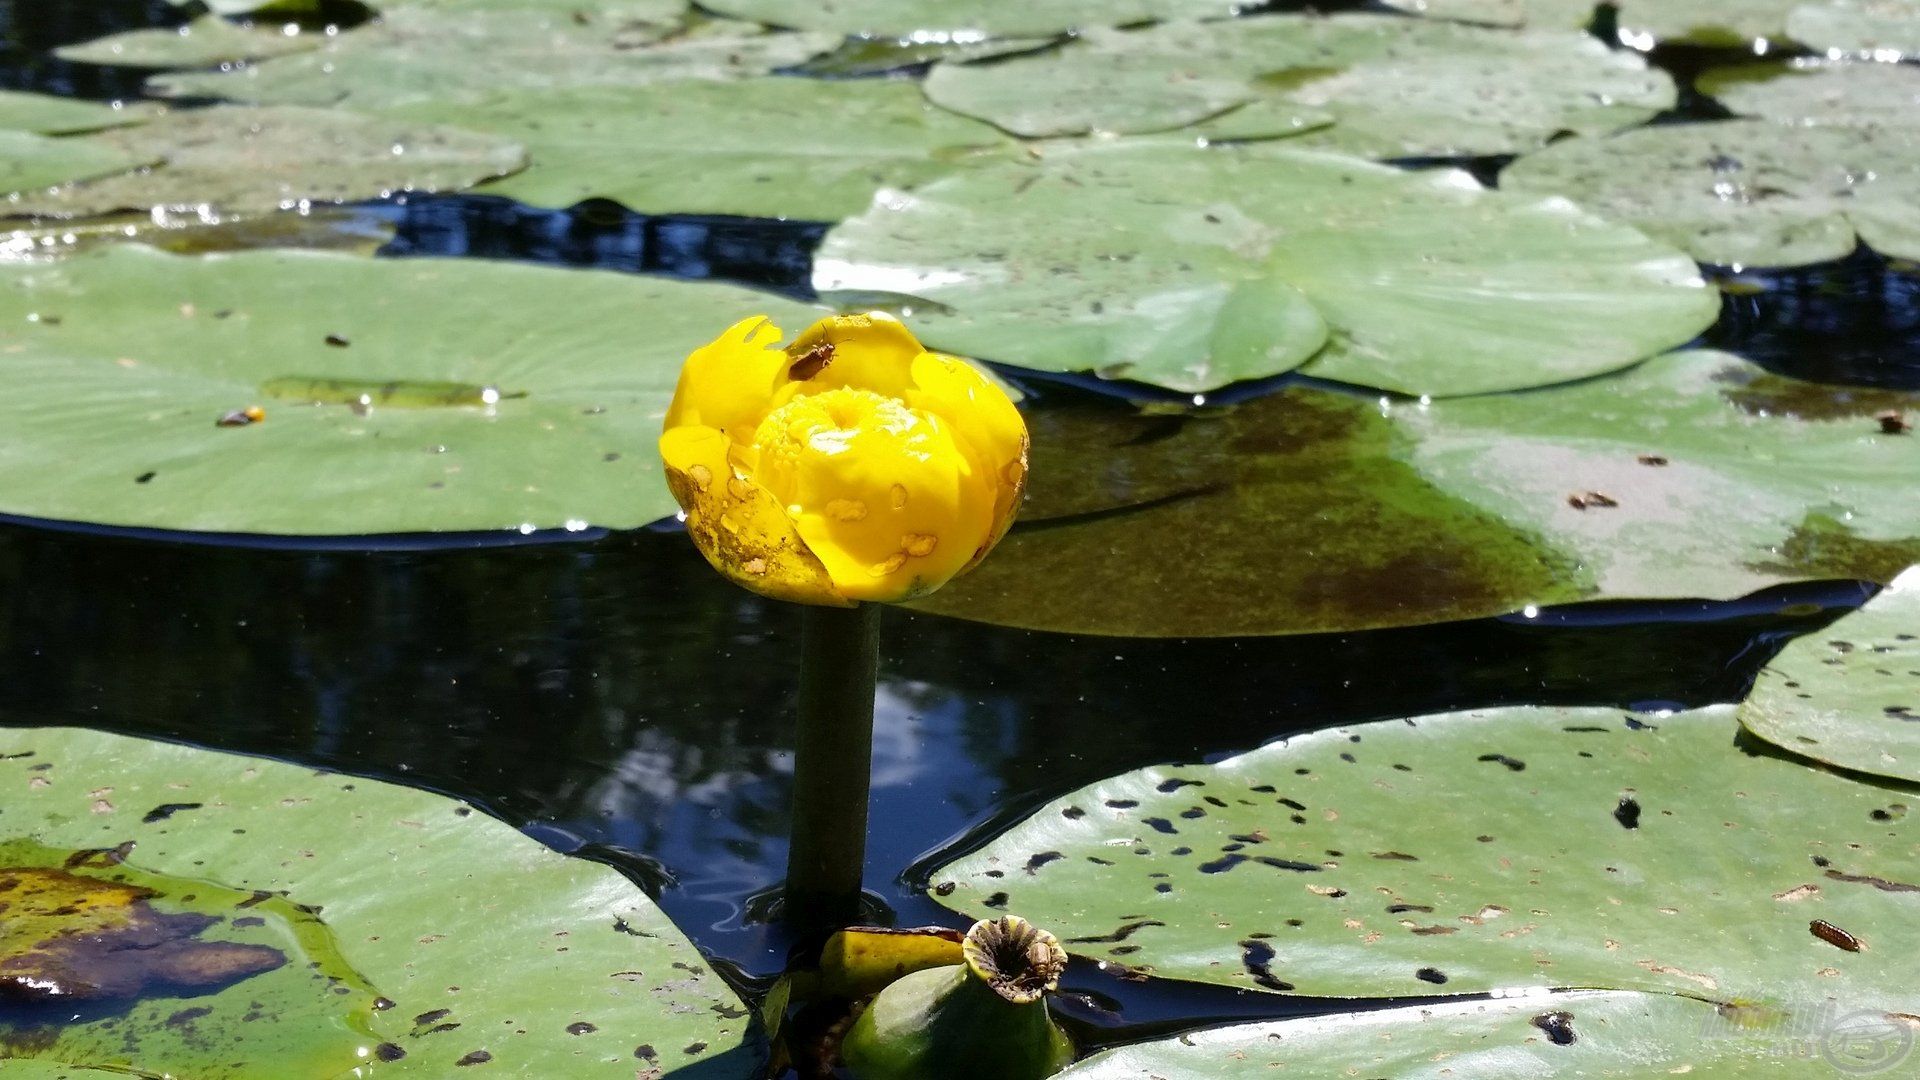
column 851, row 465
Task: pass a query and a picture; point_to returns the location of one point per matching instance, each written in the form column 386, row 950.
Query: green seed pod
column 986, row 1017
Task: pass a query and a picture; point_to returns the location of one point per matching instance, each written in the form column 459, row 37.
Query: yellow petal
column 868, row 352
column 882, row 495
column 743, row 531
column 729, row 383
column 986, row 422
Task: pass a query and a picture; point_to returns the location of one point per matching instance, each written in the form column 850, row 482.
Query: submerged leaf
column 1850, row 695
column 1552, row 847
column 1418, row 282
column 1693, row 475
column 119, row 363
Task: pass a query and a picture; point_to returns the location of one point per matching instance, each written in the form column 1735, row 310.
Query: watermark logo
column 1851, row 1042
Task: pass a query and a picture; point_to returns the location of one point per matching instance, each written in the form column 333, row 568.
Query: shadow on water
column 537, row 681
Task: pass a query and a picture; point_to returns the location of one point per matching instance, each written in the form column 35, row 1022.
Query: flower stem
column 832, row 766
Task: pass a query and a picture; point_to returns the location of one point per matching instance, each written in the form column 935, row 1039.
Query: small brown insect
column 1585, row 499
column 1651, row 459
column 252, row 414
column 1834, row 936
column 812, row 362
column 1893, row 423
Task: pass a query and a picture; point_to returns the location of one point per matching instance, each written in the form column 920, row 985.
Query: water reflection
column 615, row 697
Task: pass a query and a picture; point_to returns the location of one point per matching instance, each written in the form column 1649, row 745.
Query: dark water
column 613, row 697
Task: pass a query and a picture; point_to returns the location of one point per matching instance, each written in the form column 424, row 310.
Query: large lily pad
column 31, row 164
column 239, row 159
column 1392, row 87
column 1746, row 192
column 773, row 147
column 120, row 362
column 459, row 942
column 1818, row 92
column 1552, row 847
column 205, row 41
column 921, row 19
column 447, row 55
column 1641, row 22
column 1418, row 282
column 1693, row 475
column 1618, row 1036
column 49, row 115
column 1889, row 28
column 1850, row 696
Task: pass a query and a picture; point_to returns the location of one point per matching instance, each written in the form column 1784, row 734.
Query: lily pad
column 1850, row 696
column 1391, row 87
column 238, row 159
column 1713, row 23
column 328, row 228
column 963, row 19
column 1554, row 848
column 205, row 41
column 773, row 147
column 1692, row 475
column 31, row 164
column 1881, row 28
column 120, row 362
column 1745, row 192
column 1418, row 282
column 447, row 55
column 49, row 115
column 459, row 941
column 1620, row 1036
column 1818, row 92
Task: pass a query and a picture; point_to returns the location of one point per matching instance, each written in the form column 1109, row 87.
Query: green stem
column 832, row 766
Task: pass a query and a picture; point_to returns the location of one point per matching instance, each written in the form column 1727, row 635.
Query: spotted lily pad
column 1366, row 84
column 238, row 159
column 31, row 165
column 965, row 19
column 772, row 147
column 454, row 54
column 1616, row 1035
column 1745, row 192
column 49, row 115
column 1692, row 475
column 1418, row 282
column 1553, row 847
column 1850, row 695
column 205, row 41
column 1818, row 92
column 120, row 362
column 443, row 938
column 1882, row 28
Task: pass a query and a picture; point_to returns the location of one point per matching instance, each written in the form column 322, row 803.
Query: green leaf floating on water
column 1553, row 847
column 771, row 147
column 1888, row 28
column 1418, row 282
column 1714, row 23
column 239, row 159
column 205, row 41
column 1818, row 92
column 461, row 54
column 1850, row 695
column 1370, row 85
column 444, row 938
column 1746, row 192
column 1693, row 475
column 965, row 19
column 32, row 164
column 120, row 362
column 49, row 115
column 1615, row 1035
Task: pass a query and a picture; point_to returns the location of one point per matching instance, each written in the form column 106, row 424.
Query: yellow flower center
column 828, row 424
